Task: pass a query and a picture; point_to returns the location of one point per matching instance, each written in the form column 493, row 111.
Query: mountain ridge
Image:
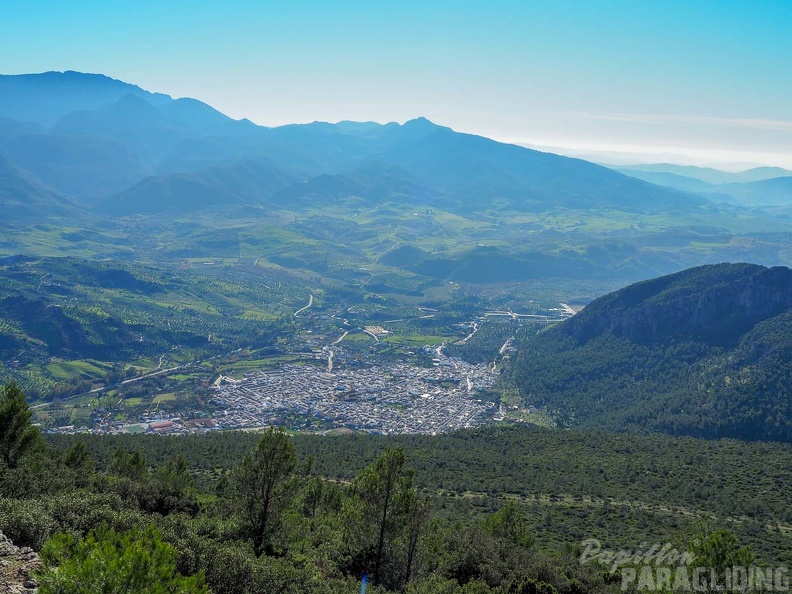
column 704, row 352
column 26, row 97
column 163, row 135
column 709, row 175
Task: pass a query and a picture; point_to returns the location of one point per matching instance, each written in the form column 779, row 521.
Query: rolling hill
column 369, row 184
column 59, row 316
column 703, row 352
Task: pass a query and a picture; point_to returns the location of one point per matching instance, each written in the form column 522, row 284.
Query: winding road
column 310, row 303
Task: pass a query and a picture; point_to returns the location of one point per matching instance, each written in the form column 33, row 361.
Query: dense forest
column 704, row 352
column 501, row 509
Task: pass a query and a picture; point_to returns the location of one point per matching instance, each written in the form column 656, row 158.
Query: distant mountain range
column 767, row 192
column 704, row 352
column 96, row 140
column 761, row 186
column 442, row 205
column 710, row 175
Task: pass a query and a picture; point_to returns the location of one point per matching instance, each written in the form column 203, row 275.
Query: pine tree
column 17, row 435
column 385, row 488
column 260, row 480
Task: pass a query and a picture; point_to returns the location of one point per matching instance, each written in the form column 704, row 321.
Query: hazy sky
column 640, row 80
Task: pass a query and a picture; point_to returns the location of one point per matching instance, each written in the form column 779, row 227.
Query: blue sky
column 686, row 81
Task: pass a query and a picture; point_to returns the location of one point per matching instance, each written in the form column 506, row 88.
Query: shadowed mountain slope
column 24, row 199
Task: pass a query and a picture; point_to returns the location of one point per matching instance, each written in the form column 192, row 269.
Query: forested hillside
column 113, row 320
column 704, row 352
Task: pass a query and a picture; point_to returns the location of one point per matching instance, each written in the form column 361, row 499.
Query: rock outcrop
column 16, row 566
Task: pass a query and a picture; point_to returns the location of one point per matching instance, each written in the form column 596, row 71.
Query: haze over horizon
column 692, row 83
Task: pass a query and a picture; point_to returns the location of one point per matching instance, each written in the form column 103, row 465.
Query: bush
column 133, row 562
column 26, row 522
column 80, row 512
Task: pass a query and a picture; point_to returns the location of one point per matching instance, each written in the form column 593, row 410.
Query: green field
column 66, row 370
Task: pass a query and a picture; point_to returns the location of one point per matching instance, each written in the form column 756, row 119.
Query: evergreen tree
column 385, row 489
column 17, row 435
column 260, row 482
column 418, row 513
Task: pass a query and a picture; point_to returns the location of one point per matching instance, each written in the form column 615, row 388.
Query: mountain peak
column 418, row 128
column 420, row 122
